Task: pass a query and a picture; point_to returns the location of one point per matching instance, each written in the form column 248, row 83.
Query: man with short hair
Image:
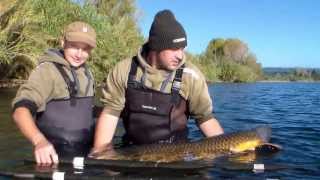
column 53, row 109
column 156, row 91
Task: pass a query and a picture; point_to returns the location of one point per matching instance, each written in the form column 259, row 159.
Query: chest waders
column 68, row 123
column 153, row 116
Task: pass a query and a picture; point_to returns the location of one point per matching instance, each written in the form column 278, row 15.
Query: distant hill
column 291, row 74
column 282, row 71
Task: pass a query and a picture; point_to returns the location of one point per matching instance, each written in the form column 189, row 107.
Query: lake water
column 291, row 109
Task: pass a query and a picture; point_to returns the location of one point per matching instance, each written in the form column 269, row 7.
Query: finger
column 53, row 155
column 45, row 157
column 37, row 157
column 41, row 158
column 55, row 158
column 48, row 159
column 48, row 151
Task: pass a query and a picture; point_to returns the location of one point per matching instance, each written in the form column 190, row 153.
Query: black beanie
column 166, row 32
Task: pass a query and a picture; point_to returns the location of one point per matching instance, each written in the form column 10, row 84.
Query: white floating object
column 78, row 162
column 58, row 175
column 258, row 167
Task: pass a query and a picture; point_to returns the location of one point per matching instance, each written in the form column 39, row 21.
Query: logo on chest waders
column 149, row 107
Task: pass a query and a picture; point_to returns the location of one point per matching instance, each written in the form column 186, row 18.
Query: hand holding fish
column 106, row 149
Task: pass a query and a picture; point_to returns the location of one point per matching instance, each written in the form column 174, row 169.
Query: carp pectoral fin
column 268, row 148
column 240, row 151
column 104, row 154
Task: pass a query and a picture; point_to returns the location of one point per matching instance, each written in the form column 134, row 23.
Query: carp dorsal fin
column 268, row 148
column 264, row 132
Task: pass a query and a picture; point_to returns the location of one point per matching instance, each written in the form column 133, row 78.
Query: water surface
column 291, row 109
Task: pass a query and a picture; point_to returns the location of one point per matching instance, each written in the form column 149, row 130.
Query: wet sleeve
column 27, row 104
column 113, row 92
column 35, row 93
column 200, row 103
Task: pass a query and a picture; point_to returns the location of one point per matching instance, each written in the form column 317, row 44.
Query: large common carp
column 207, row 148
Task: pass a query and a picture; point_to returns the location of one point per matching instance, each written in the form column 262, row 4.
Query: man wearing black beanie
column 156, row 91
column 166, row 32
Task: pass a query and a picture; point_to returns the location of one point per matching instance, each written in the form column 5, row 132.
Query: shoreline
column 14, row 83
column 266, row 81
column 275, row 81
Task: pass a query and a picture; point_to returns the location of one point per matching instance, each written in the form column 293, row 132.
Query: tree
column 251, row 62
column 214, row 51
column 315, row 74
column 235, row 50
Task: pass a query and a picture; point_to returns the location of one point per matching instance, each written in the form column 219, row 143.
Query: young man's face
column 76, row 53
column 170, row 59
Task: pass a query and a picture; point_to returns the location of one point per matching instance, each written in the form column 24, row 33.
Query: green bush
column 32, row 26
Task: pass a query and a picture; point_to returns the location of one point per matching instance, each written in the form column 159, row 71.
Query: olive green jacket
column 194, row 88
column 46, row 83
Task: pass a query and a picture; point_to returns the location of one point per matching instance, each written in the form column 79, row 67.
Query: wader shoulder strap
column 132, row 83
column 89, row 77
column 71, row 85
column 176, row 86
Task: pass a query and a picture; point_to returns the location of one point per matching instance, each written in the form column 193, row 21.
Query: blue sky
column 281, row 33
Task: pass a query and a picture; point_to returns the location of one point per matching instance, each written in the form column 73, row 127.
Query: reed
column 29, row 27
